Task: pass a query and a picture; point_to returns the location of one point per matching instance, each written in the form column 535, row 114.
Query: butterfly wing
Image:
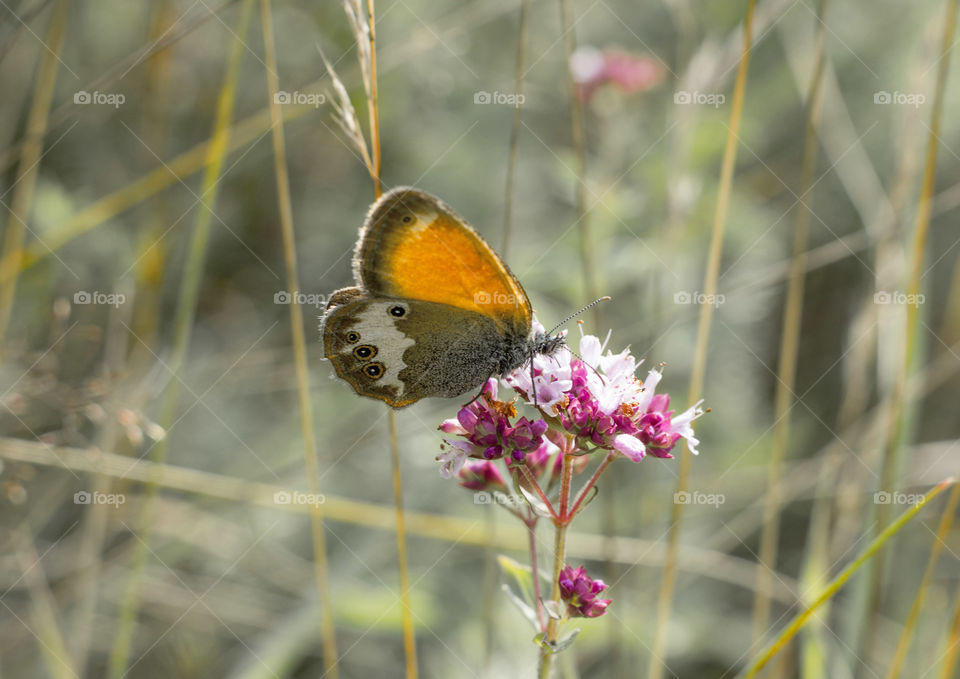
column 370, row 341
column 415, row 246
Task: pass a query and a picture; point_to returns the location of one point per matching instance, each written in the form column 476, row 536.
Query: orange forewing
column 435, row 256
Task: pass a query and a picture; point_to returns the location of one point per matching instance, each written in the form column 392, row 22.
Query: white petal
column 590, row 350
column 630, row 446
column 649, row 385
column 452, row 461
column 681, row 424
column 687, row 416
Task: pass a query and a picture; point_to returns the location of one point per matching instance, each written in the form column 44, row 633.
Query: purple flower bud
column 467, row 418
column 493, row 452
column 579, row 591
column 481, row 475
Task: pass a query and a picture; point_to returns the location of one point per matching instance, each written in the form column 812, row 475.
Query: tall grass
column 657, row 660
column 756, row 584
column 311, row 460
column 789, row 341
column 119, row 664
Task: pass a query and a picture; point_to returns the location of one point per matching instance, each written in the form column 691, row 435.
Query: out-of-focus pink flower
column 580, row 592
column 592, row 68
column 481, row 475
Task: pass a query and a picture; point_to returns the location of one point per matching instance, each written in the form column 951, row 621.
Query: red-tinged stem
column 559, row 556
column 581, row 496
column 536, row 486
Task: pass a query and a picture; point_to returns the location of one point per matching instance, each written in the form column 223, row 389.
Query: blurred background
column 142, row 530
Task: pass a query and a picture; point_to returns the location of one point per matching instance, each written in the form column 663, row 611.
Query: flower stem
column 311, row 460
column 543, row 496
column 559, row 551
column 581, row 496
column 409, row 642
column 532, row 534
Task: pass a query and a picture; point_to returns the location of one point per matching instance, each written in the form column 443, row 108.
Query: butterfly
column 434, row 312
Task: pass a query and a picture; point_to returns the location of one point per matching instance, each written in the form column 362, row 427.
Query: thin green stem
column 581, row 496
column 789, row 346
column 559, row 556
column 409, row 642
column 183, row 326
column 898, row 401
column 939, row 540
column 29, row 168
column 578, row 139
column 838, row 582
column 311, row 463
column 511, row 187
column 953, row 643
column 373, row 100
column 665, row 597
column 531, row 524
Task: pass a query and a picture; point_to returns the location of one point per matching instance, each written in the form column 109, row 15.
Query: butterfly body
column 435, row 311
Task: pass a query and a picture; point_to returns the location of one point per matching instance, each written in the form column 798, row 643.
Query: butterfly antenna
column 533, row 384
column 572, row 316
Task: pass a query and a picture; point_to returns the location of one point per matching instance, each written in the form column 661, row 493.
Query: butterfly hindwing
column 402, row 350
column 415, row 246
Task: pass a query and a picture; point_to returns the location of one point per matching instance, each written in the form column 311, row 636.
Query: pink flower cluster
column 485, row 426
column 599, row 399
column 580, row 591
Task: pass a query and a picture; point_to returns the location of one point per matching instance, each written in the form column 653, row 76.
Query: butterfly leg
column 479, row 393
column 533, row 386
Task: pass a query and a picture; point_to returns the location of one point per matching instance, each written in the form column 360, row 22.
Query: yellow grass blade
column 665, row 598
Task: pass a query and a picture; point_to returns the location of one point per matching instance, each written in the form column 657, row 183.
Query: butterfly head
column 518, row 353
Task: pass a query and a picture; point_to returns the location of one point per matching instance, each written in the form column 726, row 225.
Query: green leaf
column 525, row 608
column 558, row 645
column 521, row 575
